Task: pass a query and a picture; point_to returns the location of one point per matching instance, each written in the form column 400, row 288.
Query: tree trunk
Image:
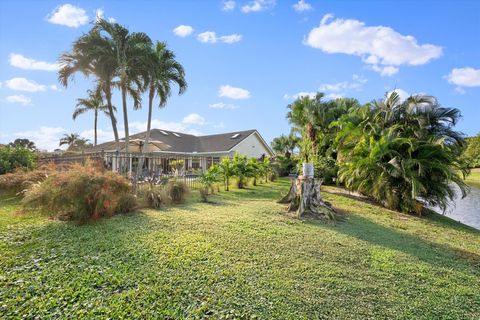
column 125, row 117
column 147, row 135
column 305, row 199
column 292, row 193
column 95, row 128
column 108, row 95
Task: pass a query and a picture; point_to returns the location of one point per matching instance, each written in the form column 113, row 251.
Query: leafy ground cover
column 240, row 257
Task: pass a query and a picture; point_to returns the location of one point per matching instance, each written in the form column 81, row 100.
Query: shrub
column 177, row 190
column 208, row 179
column 20, row 179
column 81, row 194
column 284, row 166
column 153, row 196
column 127, row 202
column 12, row 158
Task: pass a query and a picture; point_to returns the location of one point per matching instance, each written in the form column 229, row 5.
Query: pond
column 467, row 210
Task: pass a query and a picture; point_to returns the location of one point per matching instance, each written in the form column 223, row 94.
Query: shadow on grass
column 439, row 255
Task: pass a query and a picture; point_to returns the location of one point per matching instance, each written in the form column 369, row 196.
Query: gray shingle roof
column 187, row 143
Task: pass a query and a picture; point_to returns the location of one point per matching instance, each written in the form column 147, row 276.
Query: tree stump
column 305, row 200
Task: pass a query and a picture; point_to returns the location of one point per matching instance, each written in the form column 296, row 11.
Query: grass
column 240, row 257
column 473, row 179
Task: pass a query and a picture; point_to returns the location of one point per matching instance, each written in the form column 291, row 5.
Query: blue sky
column 244, row 60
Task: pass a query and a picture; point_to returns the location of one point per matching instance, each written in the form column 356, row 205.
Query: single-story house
column 197, row 152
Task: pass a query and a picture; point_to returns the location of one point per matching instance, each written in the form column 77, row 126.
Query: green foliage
column 19, row 157
column 285, row 145
column 21, row 179
column 208, row 178
column 284, row 166
column 82, row 193
column 242, row 169
column 152, row 196
column 177, row 190
column 472, row 152
column 403, row 154
column 226, row 170
column 177, row 164
column 325, row 168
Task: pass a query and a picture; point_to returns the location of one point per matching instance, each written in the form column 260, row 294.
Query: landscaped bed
column 239, row 257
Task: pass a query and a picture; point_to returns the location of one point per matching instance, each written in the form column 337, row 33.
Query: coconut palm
column 92, row 55
column 94, row 103
column 131, row 51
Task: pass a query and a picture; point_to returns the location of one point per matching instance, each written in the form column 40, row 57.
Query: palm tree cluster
column 128, row 61
column 239, row 167
column 404, row 154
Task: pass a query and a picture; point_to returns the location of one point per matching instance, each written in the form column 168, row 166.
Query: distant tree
column 94, row 103
column 227, row 170
column 12, row 158
column 74, row 142
column 285, row 145
column 472, row 152
column 25, row 143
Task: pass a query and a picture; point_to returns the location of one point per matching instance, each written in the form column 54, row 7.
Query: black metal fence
column 157, row 168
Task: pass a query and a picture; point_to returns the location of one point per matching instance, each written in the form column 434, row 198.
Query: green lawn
column 240, row 258
column 473, row 179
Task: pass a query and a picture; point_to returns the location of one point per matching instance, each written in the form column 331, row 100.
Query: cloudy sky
column 244, row 60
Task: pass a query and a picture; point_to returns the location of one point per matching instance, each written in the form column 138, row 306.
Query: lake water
column 466, row 210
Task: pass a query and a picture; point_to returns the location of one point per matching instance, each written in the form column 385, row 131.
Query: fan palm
column 94, row 103
column 92, row 55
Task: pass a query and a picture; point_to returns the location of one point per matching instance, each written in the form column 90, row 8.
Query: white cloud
column 228, row 5
column 194, row 118
column 382, row 48
column 221, row 105
column 401, row 93
column 100, row 14
column 22, row 62
column 258, row 5
column 26, row 101
column 302, row 6
column 233, row 93
column 460, row 90
column 111, row 20
column 54, row 88
column 211, row 37
column 22, row 84
column 68, row 15
column 333, row 90
column 44, row 138
column 183, row 31
column 102, row 135
column 464, row 77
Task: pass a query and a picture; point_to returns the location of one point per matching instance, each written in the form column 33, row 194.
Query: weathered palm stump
column 304, row 199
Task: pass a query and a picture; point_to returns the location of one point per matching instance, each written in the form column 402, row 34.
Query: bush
column 153, row 196
column 284, row 166
column 325, row 168
column 21, row 179
column 12, row 158
column 81, row 194
column 177, row 190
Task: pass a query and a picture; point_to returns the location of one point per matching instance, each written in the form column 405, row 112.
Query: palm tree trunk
column 125, row 116
column 95, row 128
column 151, row 95
column 108, row 95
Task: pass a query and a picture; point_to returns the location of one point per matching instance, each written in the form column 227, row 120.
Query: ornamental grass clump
column 82, row 193
column 177, row 190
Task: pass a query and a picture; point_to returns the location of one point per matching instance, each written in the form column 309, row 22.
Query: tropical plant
column 74, row 141
column 242, row 169
column 163, row 71
column 132, row 51
column 24, row 143
column 94, row 103
column 404, row 154
column 93, row 54
column 226, row 170
column 176, row 190
column 208, row 178
column 285, row 145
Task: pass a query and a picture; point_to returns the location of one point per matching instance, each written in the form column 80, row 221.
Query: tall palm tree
column 94, row 103
column 92, row 55
column 131, row 51
column 163, row 71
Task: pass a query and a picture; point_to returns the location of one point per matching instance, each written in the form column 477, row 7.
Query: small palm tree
column 94, row 103
column 227, row 170
column 69, row 139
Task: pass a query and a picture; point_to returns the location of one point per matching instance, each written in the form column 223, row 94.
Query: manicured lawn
column 474, row 178
column 240, row 257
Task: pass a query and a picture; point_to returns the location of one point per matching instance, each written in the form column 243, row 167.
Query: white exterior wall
column 252, row 146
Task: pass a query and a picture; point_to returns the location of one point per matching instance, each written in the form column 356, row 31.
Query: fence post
column 83, row 158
